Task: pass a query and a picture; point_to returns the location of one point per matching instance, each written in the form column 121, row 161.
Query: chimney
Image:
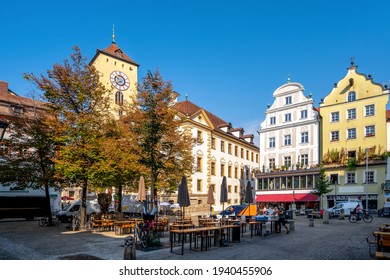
column 3, row 87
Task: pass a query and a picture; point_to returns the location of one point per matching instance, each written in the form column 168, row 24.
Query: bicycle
column 44, row 221
column 141, row 235
column 354, row 217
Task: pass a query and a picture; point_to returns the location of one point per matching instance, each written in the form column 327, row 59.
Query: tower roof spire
column 113, row 33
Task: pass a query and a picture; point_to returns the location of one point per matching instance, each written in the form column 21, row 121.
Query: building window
column 370, row 177
column 370, row 130
column 222, row 169
column 272, row 142
column 247, row 154
column 236, row 189
column 287, row 161
column 222, row 146
column 199, row 185
column 229, row 171
column 229, row 189
column 199, row 137
column 334, row 179
column 351, row 114
column 236, row 172
column 305, row 160
column 287, row 117
column 351, row 133
column 351, row 96
column 351, row 154
column 335, row 117
column 334, row 136
column 242, row 153
column 236, row 151
column 271, row 163
column 257, row 158
column 199, row 164
column 212, row 143
column 370, row 110
column 305, row 137
column 351, row 178
column 272, row 120
column 119, row 98
column 252, row 156
column 287, row 140
column 229, row 148
column 288, row 100
column 304, row 114
column 213, row 168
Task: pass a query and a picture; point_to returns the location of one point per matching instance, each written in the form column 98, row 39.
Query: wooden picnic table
column 202, row 232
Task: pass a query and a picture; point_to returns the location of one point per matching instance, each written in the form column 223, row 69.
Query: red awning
column 286, row 197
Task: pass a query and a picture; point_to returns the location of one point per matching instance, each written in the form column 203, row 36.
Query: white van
column 73, row 209
column 347, row 206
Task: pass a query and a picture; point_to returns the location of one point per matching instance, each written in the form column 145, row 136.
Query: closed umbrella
column 249, row 195
column 183, row 197
column 142, row 191
column 224, row 194
column 210, row 197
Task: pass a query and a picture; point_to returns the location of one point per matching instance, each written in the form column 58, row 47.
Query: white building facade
column 289, row 144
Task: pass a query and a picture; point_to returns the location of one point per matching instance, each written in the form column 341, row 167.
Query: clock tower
column 119, row 73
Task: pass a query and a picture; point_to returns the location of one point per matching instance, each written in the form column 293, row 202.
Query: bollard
column 129, row 253
column 311, row 222
column 291, row 226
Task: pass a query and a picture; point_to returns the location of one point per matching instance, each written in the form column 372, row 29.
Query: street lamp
column 366, row 179
column 3, row 127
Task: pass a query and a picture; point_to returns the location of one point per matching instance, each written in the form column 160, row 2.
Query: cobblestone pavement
column 338, row 240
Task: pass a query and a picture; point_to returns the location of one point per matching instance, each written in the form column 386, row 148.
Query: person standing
column 282, row 218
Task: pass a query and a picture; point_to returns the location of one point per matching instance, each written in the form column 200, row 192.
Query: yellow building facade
column 354, row 139
column 119, row 73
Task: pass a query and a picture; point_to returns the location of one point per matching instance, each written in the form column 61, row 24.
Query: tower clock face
column 119, row 80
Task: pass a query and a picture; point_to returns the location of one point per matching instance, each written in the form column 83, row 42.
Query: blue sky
column 227, row 56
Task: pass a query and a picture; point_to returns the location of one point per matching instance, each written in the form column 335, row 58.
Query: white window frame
column 288, row 100
column 287, row 117
column 351, row 131
column 272, row 120
column 287, row 140
column 333, row 134
column 272, row 142
column 333, row 118
column 369, row 110
column 372, row 178
column 304, row 137
column 351, row 114
column 347, row 178
column 369, row 130
column 351, row 96
column 304, row 114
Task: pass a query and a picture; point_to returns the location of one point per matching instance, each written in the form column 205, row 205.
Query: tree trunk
column 119, row 195
column 47, row 205
column 83, row 212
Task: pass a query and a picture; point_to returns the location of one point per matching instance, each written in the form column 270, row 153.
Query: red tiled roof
column 114, row 51
column 187, row 107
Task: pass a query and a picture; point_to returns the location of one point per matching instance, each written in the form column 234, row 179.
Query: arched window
column 351, row 96
column 119, row 98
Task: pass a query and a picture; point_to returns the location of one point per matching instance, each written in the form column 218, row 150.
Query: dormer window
column 288, row 100
column 17, row 110
column 119, row 53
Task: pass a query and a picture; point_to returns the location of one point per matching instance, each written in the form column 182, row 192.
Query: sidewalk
column 338, row 240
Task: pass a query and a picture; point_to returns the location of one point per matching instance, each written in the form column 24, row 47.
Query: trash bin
column 311, row 222
column 236, row 233
column 291, row 225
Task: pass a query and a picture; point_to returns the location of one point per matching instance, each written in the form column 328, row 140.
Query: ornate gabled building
column 290, row 149
column 354, row 137
column 220, row 150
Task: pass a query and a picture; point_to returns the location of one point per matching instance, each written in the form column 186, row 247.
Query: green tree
column 27, row 159
column 81, row 108
column 164, row 147
column 322, row 185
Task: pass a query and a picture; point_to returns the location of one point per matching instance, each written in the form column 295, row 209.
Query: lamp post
column 3, row 128
column 366, row 181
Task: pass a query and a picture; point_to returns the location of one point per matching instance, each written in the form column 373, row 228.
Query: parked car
column 346, row 206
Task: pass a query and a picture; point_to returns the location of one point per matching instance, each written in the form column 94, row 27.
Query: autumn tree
column 80, row 104
column 164, row 148
column 27, row 159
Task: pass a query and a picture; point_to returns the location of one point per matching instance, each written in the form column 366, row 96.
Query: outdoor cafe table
column 385, row 227
column 120, row 225
column 382, row 239
column 203, row 231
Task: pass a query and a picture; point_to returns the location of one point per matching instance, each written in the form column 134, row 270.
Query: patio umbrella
column 210, row 197
column 142, row 191
column 249, row 195
column 224, row 194
column 183, row 197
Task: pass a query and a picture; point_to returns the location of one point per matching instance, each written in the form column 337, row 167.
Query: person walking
column 282, row 218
